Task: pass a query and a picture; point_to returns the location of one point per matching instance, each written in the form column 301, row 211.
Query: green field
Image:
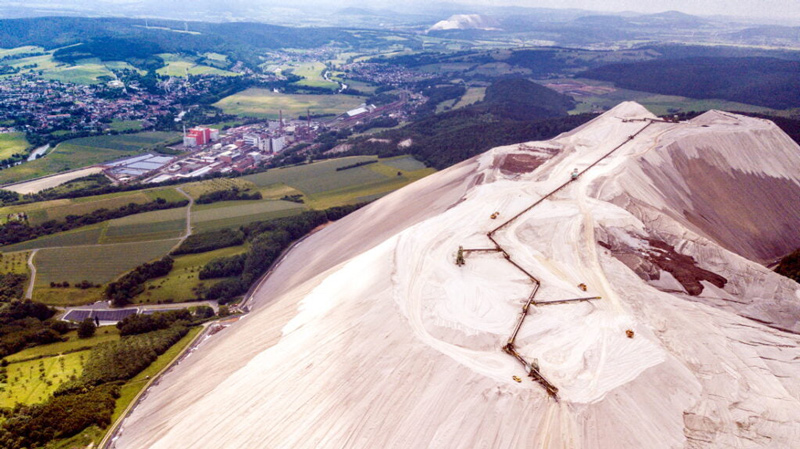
column 77, row 153
column 125, row 125
column 325, row 187
column 88, row 235
column 16, row 263
column 473, row 95
column 35, row 373
column 15, row 51
column 196, row 189
column 655, row 103
column 155, row 225
column 84, row 73
column 34, row 381
column 231, row 214
column 178, row 65
column 98, row 264
column 182, row 283
column 264, row 103
column 319, row 176
column 11, row 143
column 312, row 75
column 72, row 344
column 361, row 86
column 58, row 209
column 407, row 163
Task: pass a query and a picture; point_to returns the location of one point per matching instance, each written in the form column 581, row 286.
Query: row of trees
column 268, row 239
column 25, row 323
column 211, row 240
column 233, row 194
column 122, row 290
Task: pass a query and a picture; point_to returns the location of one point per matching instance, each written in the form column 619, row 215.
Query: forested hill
column 770, row 82
column 520, row 99
column 514, row 110
column 237, row 39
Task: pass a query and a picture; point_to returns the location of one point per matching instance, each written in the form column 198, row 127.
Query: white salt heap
column 369, row 336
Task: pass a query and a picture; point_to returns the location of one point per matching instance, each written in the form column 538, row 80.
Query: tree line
column 17, row 231
column 233, row 194
column 121, row 291
column 267, row 239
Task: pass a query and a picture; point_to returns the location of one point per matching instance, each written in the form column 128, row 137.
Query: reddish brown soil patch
column 514, row 163
column 682, row 267
column 661, row 256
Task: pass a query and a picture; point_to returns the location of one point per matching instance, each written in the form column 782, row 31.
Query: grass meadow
column 264, row 103
column 12, row 143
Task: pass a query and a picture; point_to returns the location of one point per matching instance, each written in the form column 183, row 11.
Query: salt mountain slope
column 368, row 335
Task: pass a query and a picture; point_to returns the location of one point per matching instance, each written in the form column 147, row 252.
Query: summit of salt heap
column 630, row 110
column 370, row 335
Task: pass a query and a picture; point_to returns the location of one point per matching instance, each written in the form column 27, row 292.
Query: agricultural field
column 182, row 283
column 87, row 71
column 155, row 225
column 86, row 151
column 232, row 214
column 12, row 143
column 178, row 65
column 361, row 86
column 34, row 374
column 16, row 263
column 264, row 103
column 87, row 235
column 58, row 209
column 97, row 264
column 196, row 189
column 72, row 344
column 607, row 96
column 34, row 381
column 324, row 186
column 17, row 50
column 473, row 95
column 312, row 75
column 83, row 73
column 125, row 125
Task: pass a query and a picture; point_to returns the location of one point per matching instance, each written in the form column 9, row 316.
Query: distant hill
column 521, row 99
column 513, row 110
column 769, row 82
column 241, row 40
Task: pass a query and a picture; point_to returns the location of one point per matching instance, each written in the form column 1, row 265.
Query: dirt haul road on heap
column 369, row 335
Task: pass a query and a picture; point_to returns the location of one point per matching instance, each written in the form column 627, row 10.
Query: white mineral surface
column 369, row 336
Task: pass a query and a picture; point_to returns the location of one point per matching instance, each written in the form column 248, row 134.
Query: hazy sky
column 752, row 8
column 777, row 9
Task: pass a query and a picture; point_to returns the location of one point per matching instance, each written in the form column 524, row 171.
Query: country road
column 32, row 267
column 188, row 218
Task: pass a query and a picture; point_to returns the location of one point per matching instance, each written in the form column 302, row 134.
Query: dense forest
column 769, row 82
column 139, row 45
